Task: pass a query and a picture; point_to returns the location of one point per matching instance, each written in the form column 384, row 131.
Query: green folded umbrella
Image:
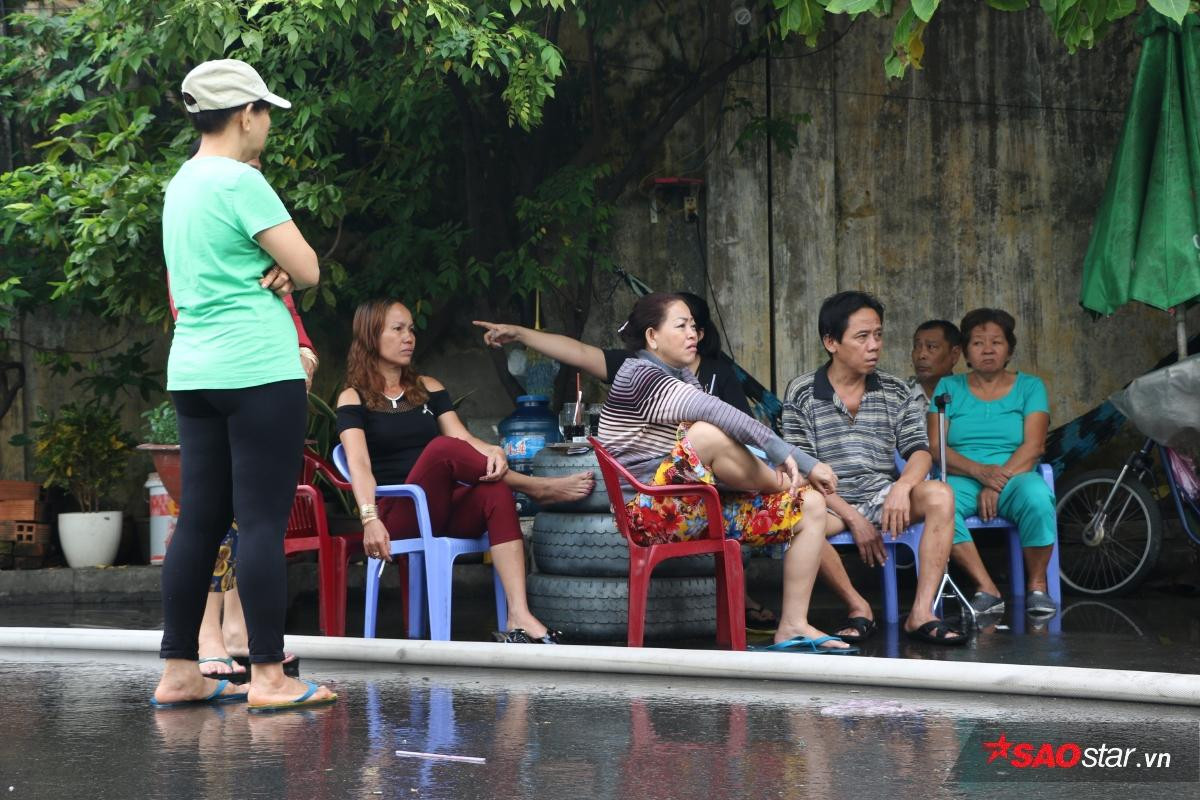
column 1145, row 244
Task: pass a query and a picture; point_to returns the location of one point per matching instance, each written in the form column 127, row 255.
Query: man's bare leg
column 932, row 501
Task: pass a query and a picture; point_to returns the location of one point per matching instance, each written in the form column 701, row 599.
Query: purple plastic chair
column 911, row 538
column 1016, row 559
column 430, row 567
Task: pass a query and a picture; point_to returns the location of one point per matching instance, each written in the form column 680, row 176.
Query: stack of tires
column 581, row 585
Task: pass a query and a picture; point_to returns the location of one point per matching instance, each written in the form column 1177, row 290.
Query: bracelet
column 307, row 353
column 369, row 518
column 368, row 510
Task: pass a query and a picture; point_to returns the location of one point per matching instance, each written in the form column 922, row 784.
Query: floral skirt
column 755, row 518
column 224, row 575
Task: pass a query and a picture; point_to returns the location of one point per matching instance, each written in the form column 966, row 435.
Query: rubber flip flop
column 1040, row 604
column 233, row 676
column 303, row 701
column 865, row 628
column 934, row 632
column 212, row 699
column 985, row 603
column 802, row 644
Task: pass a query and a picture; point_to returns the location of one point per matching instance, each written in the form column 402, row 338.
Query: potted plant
column 82, row 449
column 162, row 443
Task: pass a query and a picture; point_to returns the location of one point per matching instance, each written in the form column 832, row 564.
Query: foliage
column 107, row 376
column 322, row 422
column 362, row 158
column 80, row 448
column 1077, row 23
column 162, row 426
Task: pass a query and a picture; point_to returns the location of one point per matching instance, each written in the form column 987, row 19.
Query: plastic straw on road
column 441, row 757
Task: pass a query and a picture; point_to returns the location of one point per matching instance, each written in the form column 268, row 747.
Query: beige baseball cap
column 226, row 83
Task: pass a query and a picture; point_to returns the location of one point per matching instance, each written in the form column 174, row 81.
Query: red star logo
column 997, row 749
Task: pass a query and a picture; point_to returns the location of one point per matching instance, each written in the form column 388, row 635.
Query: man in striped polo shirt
column 855, row 418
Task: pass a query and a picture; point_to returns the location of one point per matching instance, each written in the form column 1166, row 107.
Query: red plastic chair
column 731, row 601
column 308, row 529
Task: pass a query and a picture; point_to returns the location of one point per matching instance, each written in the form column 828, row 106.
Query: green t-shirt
column 988, row 432
column 231, row 333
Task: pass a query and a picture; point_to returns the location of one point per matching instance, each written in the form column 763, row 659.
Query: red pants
column 455, row 509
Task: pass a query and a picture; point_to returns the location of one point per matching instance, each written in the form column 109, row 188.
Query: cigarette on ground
column 441, row 757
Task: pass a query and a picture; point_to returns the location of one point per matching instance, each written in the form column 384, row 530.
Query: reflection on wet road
column 79, row 725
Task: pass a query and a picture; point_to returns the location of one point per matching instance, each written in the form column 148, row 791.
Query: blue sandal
column 803, row 644
column 212, row 699
column 305, row 700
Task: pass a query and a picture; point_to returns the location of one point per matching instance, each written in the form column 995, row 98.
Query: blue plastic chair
column 1016, row 558
column 911, row 538
column 430, row 567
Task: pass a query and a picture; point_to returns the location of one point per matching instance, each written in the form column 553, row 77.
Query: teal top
column 989, row 431
column 231, row 333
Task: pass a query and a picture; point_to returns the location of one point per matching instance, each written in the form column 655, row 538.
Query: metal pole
column 1181, row 332
column 966, row 610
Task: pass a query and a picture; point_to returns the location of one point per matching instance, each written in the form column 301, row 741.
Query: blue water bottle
column 523, row 433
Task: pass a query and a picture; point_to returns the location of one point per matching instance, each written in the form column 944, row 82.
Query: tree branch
column 611, row 189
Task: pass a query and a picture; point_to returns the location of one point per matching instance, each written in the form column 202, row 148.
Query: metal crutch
column 966, row 611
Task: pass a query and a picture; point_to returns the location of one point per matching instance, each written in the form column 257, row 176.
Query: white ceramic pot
column 91, row 538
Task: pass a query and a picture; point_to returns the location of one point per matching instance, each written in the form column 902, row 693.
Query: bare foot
column 789, row 631
column 277, row 688
column 219, row 666
column 566, row 489
column 181, row 684
column 852, row 612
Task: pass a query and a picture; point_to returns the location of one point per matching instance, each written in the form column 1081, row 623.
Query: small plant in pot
column 162, row 443
column 81, row 448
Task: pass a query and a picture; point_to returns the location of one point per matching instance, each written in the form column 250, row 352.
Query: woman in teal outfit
column 995, row 435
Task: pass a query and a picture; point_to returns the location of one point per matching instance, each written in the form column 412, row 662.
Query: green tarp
column 1145, row 244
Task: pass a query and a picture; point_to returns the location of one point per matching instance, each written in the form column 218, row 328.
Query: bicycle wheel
column 1110, row 553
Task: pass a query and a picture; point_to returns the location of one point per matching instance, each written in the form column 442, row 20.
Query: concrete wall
column 971, row 182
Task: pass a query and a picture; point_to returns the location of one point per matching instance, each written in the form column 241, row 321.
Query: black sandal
column 864, row 629
column 521, row 636
column 936, row 631
column 760, row 619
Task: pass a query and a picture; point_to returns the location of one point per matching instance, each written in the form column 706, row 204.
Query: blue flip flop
column 803, row 644
column 303, row 701
column 213, row 699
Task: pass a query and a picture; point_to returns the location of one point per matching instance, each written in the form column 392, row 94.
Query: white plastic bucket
column 163, row 515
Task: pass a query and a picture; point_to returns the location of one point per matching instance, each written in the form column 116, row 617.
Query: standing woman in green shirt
column 235, row 377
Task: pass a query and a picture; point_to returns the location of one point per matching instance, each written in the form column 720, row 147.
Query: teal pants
column 1026, row 501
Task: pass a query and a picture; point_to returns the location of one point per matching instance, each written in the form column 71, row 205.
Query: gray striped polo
column 859, row 448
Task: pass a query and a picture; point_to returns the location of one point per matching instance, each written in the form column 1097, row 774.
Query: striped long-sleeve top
column 649, row 399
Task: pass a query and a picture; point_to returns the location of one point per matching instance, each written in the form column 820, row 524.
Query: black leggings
column 241, row 453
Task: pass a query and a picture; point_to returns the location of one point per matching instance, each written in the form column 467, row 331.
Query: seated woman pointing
column 660, row 424
column 400, row 427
